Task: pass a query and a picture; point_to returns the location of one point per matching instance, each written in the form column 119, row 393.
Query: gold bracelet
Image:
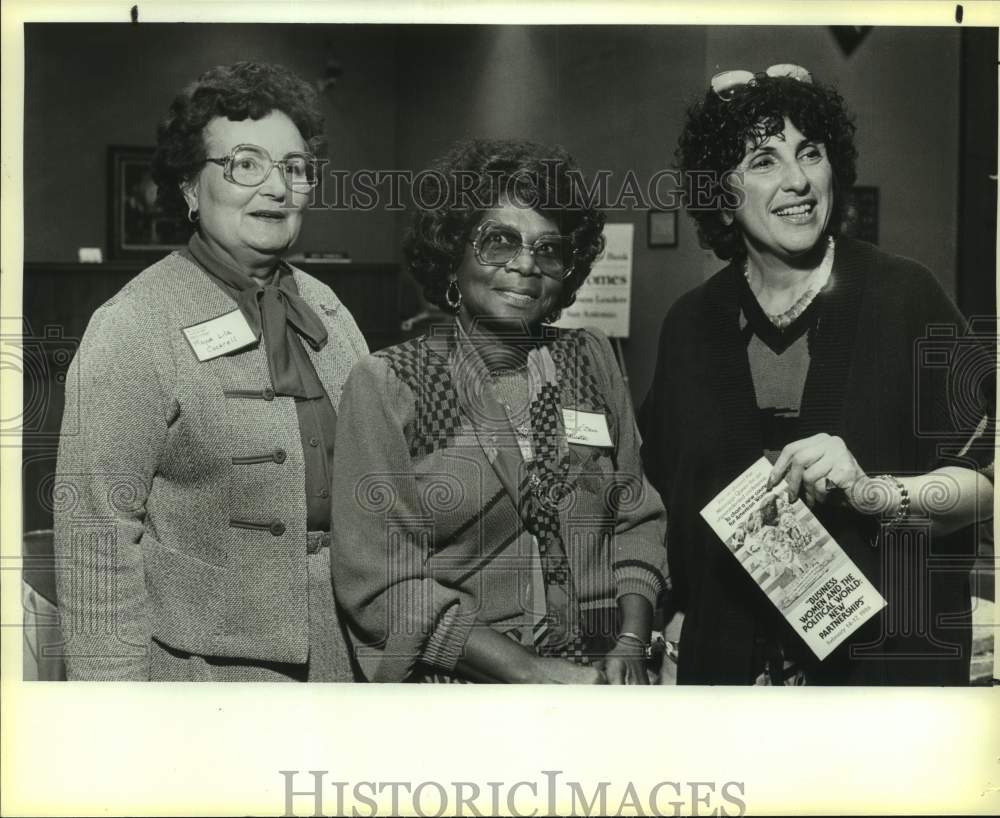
column 903, row 509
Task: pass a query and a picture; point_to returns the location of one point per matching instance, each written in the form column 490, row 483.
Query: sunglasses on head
column 725, row 84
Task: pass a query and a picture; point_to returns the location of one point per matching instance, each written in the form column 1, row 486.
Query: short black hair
column 488, row 172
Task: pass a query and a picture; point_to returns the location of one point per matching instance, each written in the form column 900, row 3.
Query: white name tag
column 586, row 428
column 217, row 336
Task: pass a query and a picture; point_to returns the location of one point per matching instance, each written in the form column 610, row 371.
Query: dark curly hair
column 479, row 174
column 238, row 91
column 716, row 134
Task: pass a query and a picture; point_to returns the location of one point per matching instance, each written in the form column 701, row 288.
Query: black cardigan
column 880, row 381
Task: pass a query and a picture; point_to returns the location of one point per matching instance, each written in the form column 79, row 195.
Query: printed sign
column 604, row 300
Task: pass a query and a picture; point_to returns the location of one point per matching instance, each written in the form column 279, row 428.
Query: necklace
column 511, row 387
column 817, row 281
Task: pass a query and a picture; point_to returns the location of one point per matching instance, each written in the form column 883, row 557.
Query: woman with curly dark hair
column 804, row 349
column 200, row 418
column 493, row 522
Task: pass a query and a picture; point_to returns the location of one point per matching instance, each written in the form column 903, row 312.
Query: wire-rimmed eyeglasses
column 495, row 243
column 250, row 165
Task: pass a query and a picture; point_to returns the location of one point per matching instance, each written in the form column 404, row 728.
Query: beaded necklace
column 817, row 281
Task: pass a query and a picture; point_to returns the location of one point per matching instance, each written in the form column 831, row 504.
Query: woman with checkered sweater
column 493, row 522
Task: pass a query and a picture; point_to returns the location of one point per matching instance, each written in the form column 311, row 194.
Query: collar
column 831, row 353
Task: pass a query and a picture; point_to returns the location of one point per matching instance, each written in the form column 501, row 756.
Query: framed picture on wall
column 137, row 227
column 661, row 228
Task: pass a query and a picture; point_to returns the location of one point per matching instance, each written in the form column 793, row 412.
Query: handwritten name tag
column 217, row 336
column 586, row 428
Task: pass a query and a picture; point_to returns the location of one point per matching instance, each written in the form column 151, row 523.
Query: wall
column 617, row 103
column 91, row 86
column 615, row 98
column 614, row 102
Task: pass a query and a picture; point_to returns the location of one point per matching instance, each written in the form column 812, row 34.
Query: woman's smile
column 797, row 213
column 519, row 298
column 269, row 215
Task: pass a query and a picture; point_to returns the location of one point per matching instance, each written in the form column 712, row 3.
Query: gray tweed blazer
column 180, row 509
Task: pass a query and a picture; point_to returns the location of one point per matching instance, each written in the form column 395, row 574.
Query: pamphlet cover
column 794, row 560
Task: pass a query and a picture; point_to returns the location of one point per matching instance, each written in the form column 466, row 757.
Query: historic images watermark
column 549, row 794
column 367, row 189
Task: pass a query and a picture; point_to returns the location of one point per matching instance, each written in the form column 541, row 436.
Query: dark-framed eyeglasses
column 495, row 243
column 726, row 83
column 250, row 165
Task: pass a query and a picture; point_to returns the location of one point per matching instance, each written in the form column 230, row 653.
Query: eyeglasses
column 495, row 243
column 250, row 165
column 726, row 83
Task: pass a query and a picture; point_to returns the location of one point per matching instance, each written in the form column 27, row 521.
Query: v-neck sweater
column 869, row 383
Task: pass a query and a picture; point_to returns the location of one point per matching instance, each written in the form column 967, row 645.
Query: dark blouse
column 317, row 417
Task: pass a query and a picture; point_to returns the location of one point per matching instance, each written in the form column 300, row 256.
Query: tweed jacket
column 428, row 540
column 180, row 506
column 892, row 374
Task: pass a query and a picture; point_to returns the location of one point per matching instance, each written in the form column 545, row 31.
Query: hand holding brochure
column 794, row 560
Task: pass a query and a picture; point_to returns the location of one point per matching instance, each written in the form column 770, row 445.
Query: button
column 314, row 441
column 279, row 455
column 267, row 394
column 324, row 493
column 277, row 528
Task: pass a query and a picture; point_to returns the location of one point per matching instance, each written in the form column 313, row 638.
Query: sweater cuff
column 638, row 579
column 446, row 644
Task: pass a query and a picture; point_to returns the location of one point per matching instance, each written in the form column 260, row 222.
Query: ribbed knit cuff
column 636, row 579
column 445, row 645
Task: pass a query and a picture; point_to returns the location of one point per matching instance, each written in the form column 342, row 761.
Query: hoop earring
column 192, row 215
column 453, row 300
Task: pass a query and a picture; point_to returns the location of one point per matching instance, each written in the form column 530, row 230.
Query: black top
column 873, row 382
column 779, row 363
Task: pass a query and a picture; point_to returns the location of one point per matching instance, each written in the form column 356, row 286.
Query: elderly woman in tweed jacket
column 492, row 520
column 192, row 504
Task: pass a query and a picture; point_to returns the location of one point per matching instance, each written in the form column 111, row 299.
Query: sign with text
column 604, row 300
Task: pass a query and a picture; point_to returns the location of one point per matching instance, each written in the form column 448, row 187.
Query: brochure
column 794, row 560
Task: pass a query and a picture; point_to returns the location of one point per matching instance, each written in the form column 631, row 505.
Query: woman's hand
column 817, row 466
column 625, row 664
column 563, row 672
column 490, row 656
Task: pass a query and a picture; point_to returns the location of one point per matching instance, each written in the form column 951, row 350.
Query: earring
column 192, row 215
column 453, row 295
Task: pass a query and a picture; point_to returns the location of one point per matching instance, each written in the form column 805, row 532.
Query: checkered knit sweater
column 428, row 542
